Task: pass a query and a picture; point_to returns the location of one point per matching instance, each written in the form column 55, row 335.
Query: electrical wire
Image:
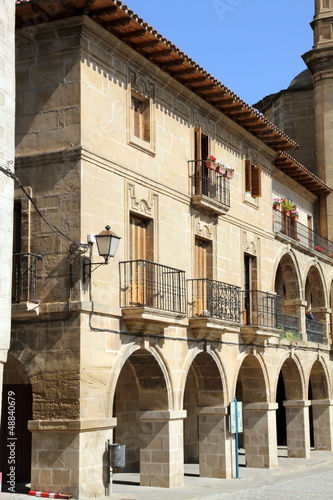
column 11, row 174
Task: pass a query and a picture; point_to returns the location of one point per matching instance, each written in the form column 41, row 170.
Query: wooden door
column 203, row 272
column 141, row 255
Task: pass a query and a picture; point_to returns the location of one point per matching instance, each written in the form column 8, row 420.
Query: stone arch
column 287, row 282
column 123, row 356
column 203, row 388
column 140, row 386
column 17, row 397
column 252, row 381
column 293, row 379
column 320, row 414
column 318, row 386
column 292, row 409
column 314, row 289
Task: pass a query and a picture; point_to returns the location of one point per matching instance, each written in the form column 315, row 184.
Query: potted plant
column 229, row 172
column 287, row 206
column 220, row 168
column 319, row 248
column 277, row 204
column 294, row 214
column 211, row 162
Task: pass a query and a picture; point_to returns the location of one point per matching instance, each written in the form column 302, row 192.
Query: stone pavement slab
column 254, row 483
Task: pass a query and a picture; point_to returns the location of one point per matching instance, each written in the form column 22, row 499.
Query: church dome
column 303, row 81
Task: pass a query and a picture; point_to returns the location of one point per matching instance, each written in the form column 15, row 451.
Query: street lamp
column 107, row 244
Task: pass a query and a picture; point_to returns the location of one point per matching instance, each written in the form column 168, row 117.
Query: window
column 203, row 272
column 140, row 117
column 141, row 249
column 203, row 259
column 252, row 179
column 141, row 238
column 203, row 176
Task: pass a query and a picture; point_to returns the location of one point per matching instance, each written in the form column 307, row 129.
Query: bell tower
column 320, row 62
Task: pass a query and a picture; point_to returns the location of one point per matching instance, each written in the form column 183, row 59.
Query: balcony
column 288, row 322
column 26, row 271
column 214, row 307
column 262, row 313
column 314, row 331
column 152, row 296
column 286, row 228
column 210, row 191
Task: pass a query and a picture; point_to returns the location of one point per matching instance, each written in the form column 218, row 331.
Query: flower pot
column 220, row 170
column 286, row 213
column 211, row 164
column 229, row 174
column 294, row 218
column 277, row 207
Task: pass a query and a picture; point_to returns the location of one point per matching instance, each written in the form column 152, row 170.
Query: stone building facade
column 7, row 110
column 206, row 297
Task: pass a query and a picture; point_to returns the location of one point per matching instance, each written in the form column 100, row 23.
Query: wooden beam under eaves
column 184, row 72
column 193, row 81
column 104, row 11
column 132, row 34
column 146, row 45
column 172, row 64
column 117, row 23
column 161, row 53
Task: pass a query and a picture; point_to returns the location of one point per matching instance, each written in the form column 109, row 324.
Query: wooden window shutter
column 256, row 181
column 137, row 111
column 145, row 107
column 197, row 143
column 248, row 176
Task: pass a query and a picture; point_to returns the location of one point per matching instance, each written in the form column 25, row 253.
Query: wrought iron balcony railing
column 304, row 236
column 315, row 331
column 26, row 269
column 261, row 309
column 288, row 322
column 145, row 283
column 209, row 183
column 215, row 299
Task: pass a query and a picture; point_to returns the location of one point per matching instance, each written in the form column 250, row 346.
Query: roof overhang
column 118, row 19
column 301, row 174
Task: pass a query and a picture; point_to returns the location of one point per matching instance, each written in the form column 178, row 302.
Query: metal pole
column 236, row 439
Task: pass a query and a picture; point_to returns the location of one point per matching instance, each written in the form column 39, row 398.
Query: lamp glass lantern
column 107, row 243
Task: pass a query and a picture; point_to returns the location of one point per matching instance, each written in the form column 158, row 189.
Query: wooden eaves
column 117, row 18
column 302, row 175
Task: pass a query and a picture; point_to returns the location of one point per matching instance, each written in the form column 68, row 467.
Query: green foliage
column 292, row 336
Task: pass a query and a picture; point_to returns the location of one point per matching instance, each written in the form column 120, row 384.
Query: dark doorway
column 281, row 422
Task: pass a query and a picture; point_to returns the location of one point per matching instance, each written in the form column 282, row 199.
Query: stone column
column 214, row 445
column 298, row 428
column 260, row 441
column 69, row 456
column 162, row 451
column 322, row 413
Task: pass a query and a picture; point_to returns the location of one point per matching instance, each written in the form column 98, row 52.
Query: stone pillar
column 214, row 445
column 260, row 441
column 322, row 413
column 69, row 456
column 298, row 428
column 162, row 450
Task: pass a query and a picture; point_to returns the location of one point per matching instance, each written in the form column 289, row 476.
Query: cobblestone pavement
column 294, row 479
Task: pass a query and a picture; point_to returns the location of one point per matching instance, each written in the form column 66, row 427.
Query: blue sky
column 254, row 47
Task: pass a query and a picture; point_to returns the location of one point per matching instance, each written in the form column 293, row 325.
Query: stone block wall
column 7, row 112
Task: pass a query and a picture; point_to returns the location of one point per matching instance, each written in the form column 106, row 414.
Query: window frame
column 253, row 179
column 145, row 138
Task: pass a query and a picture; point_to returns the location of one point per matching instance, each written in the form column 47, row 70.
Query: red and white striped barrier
column 43, row 494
